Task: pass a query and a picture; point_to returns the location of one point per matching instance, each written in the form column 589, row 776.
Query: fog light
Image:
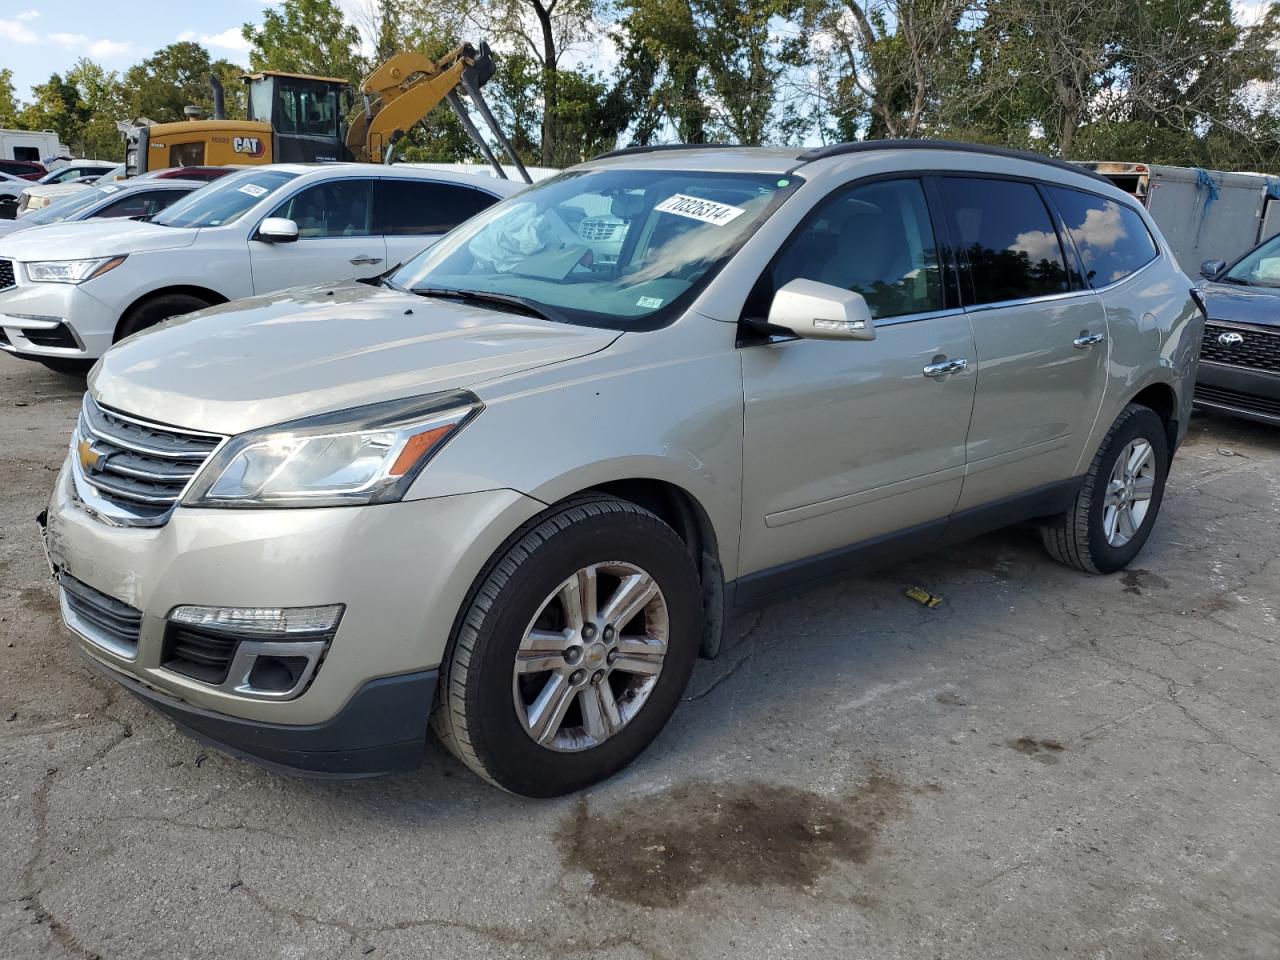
column 266, row 653
column 275, row 622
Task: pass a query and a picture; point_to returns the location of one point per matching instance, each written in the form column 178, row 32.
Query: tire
column 484, row 712
column 153, row 311
column 1080, row 537
column 68, row 368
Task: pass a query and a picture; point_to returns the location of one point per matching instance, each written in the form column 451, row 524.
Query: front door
column 335, row 238
column 846, row 442
column 1040, row 336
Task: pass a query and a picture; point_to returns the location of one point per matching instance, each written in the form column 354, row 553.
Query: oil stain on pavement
column 655, row 852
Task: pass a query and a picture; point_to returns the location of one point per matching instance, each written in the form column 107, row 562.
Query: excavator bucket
column 408, row 86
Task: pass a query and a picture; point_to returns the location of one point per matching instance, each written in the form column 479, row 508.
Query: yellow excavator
column 301, row 118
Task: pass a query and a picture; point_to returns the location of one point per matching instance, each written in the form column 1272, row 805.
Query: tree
column 172, row 78
column 57, row 106
column 306, row 36
column 9, row 106
column 102, row 98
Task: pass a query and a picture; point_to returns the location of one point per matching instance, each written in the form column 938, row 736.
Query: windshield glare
column 612, row 248
column 68, row 205
column 1261, row 266
column 223, row 201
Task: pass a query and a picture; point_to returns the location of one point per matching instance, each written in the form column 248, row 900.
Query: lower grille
column 199, row 654
column 1255, row 349
column 103, row 620
column 59, row 336
column 1240, row 401
column 7, row 278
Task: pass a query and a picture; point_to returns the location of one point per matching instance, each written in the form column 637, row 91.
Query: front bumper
column 402, row 570
column 1253, row 394
column 56, row 320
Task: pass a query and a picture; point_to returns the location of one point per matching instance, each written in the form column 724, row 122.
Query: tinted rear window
column 411, row 207
column 1007, row 237
column 1111, row 237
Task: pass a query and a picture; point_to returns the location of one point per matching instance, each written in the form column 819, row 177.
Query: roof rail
column 866, row 146
column 661, row 147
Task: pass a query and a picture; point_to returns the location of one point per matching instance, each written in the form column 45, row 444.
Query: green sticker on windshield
column 649, row 303
column 784, row 182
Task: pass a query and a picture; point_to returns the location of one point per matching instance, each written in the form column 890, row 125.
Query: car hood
column 1237, row 304
column 13, row 226
column 269, row 359
column 87, row 239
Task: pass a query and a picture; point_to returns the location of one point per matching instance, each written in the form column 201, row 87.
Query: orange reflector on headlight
column 418, row 447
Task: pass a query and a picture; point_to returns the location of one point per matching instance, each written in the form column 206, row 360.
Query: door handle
column 945, row 368
column 1086, row 340
column 364, row 260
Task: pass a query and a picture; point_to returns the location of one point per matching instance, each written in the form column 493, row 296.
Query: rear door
column 846, row 442
column 335, row 238
column 1040, row 335
column 411, row 215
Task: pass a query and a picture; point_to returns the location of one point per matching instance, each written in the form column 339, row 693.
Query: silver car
column 517, row 486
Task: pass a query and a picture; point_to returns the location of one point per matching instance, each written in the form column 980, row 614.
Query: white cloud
column 28, row 15
column 16, row 32
column 228, row 39
column 95, row 48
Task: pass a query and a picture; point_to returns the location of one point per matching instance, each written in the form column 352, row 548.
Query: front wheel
column 573, row 651
column 156, row 310
column 1119, row 499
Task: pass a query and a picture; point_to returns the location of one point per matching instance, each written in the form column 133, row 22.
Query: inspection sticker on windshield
column 253, row 190
column 649, row 303
column 695, row 208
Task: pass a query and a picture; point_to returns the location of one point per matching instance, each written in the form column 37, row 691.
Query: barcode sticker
column 695, row 208
column 253, row 190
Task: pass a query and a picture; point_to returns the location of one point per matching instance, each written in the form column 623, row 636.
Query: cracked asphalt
column 1047, row 764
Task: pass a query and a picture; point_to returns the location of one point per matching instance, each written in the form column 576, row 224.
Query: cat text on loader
column 300, row 118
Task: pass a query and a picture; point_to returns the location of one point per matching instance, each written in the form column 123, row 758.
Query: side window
column 139, row 204
column 338, row 208
column 1111, row 237
column 876, row 240
column 406, row 207
column 26, row 153
column 1007, row 237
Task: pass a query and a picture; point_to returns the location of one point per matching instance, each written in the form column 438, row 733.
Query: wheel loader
column 295, row 117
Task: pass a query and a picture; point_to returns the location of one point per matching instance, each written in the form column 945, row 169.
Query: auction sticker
column 695, row 208
column 253, row 190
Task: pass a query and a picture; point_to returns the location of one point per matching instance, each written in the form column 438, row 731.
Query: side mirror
column 277, row 230
column 819, row 311
column 1211, row 268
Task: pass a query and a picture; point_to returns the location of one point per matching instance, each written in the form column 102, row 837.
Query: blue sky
column 39, row 38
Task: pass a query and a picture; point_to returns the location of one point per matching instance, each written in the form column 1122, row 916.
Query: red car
column 26, row 169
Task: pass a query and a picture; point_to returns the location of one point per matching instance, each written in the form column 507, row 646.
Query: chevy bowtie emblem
column 1230, row 339
column 90, row 459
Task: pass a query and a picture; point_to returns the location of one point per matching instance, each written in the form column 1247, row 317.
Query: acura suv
column 514, row 488
column 70, row 290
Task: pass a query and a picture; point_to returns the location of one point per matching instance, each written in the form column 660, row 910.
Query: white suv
column 68, row 291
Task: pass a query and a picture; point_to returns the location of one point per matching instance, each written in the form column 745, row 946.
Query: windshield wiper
column 507, row 300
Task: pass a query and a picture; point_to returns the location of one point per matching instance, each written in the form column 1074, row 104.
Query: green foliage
column 172, row 78
column 9, row 106
column 306, row 36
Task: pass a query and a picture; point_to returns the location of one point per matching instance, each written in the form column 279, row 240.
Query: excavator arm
column 408, row 86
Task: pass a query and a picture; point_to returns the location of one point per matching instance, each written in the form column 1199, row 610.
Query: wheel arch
column 683, row 512
column 1161, row 398
column 212, row 297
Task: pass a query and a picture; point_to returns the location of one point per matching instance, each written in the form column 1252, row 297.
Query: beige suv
column 518, row 485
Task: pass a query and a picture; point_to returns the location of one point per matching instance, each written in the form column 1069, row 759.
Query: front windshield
column 611, row 248
column 1261, row 267
column 223, row 201
column 69, row 205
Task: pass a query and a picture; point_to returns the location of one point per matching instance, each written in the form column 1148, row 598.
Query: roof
column 492, row 185
column 296, row 76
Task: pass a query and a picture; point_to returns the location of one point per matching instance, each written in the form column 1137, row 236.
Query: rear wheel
column 574, row 649
column 1118, row 502
column 157, row 309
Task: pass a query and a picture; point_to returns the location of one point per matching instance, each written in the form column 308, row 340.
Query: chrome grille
column 598, row 228
column 7, row 278
column 1256, row 349
column 137, row 464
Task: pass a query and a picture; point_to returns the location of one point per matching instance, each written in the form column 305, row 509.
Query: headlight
column 70, row 271
column 365, row 455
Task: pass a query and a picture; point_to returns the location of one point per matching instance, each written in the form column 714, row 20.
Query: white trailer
column 30, row 145
column 1204, row 214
